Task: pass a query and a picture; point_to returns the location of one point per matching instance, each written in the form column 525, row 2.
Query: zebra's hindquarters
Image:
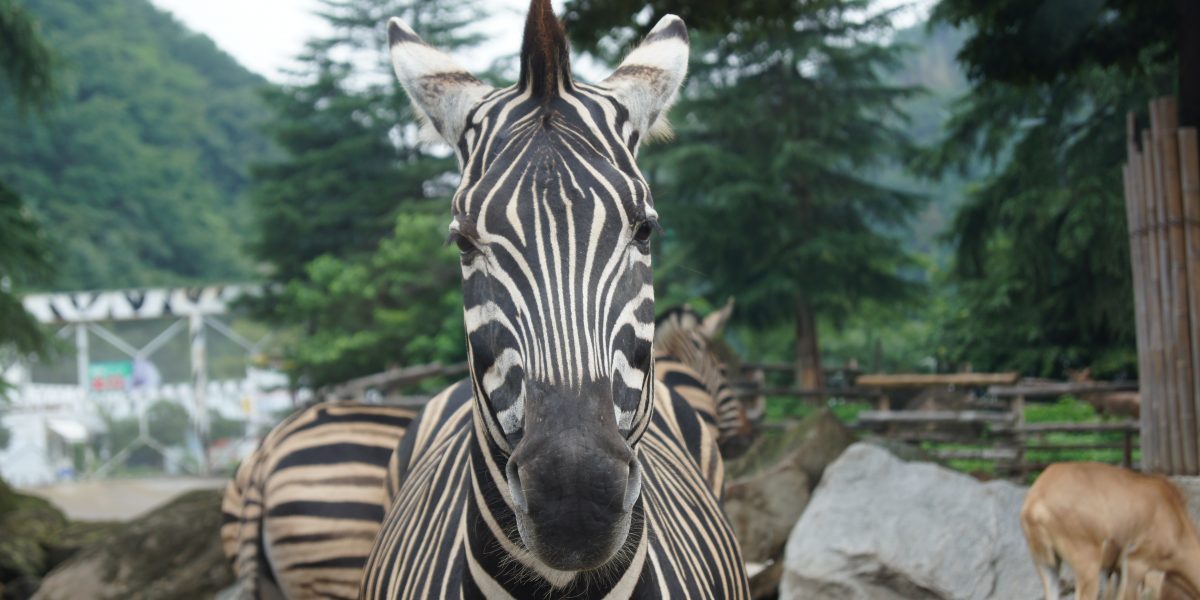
column 304, row 509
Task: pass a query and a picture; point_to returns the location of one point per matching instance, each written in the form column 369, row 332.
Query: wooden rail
column 933, row 417
column 749, row 391
column 391, row 379
column 1059, row 388
column 910, row 380
column 999, row 437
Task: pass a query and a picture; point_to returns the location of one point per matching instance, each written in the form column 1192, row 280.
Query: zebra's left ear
column 649, row 78
column 442, row 91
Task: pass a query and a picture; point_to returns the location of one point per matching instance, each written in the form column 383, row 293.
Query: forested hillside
column 137, row 170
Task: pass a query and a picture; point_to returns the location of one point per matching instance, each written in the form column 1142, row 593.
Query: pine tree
column 767, row 188
column 345, row 220
column 1041, row 270
column 25, row 66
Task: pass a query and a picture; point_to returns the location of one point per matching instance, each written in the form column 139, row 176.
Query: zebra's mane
column 545, row 54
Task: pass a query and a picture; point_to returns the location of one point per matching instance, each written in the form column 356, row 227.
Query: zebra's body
column 303, row 509
column 562, row 467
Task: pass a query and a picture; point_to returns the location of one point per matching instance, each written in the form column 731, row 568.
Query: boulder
column 35, row 537
column 768, row 487
column 878, row 528
column 172, row 552
column 29, row 528
column 811, row 444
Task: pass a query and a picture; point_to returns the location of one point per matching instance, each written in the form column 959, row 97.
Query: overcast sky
column 266, row 35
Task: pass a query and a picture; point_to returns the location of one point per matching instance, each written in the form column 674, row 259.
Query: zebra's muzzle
column 574, row 482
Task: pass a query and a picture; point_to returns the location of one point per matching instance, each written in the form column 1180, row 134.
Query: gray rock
column 173, row 552
column 1190, row 486
column 769, row 485
column 878, row 528
column 763, row 508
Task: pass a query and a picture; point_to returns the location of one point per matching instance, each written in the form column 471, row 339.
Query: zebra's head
column 554, row 220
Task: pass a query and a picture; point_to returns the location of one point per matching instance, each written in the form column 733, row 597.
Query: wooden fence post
column 1189, row 168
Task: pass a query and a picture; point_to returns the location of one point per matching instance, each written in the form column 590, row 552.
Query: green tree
column 138, row 171
column 401, row 305
column 25, row 59
column 343, row 220
column 768, row 188
column 25, row 69
column 1041, row 270
column 1026, row 43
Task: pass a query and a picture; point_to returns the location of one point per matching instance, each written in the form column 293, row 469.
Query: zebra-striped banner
column 123, row 305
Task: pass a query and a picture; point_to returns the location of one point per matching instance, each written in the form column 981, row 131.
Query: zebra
column 302, row 511
column 561, row 467
column 337, row 436
column 685, row 359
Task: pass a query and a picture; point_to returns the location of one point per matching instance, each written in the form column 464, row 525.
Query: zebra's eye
column 643, row 232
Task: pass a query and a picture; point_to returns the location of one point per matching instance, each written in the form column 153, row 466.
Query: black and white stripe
column 562, row 467
column 302, row 511
column 450, row 534
column 685, row 360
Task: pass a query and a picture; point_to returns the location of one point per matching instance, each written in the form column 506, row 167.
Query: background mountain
column 138, row 170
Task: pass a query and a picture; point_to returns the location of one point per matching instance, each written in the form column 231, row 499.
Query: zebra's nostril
column 633, row 485
column 515, row 489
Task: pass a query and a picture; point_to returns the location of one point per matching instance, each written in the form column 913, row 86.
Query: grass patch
column 786, row 408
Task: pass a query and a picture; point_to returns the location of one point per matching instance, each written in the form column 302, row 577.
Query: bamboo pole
column 1131, row 175
column 1159, row 388
column 1158, row 232
column 1189, row 167
column 1178, row 321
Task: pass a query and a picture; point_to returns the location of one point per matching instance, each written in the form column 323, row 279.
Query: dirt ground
column 119, row 499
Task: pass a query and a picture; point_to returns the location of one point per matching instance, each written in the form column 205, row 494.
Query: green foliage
column 168, row 423
column 785, row 120
column 25, row 66
column 337, row 191
column 25, row 60
column 1041, row 264
column 1031, row 42
column 344, row 219
column 137, row 171
column 22, row 261
column 402, row 305
column 220, row 427
column 1069, row 409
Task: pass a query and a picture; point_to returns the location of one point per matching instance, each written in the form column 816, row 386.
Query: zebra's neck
column 498, row 562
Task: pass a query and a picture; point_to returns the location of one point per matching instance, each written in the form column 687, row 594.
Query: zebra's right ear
column 714, row 324
column 649, row 78
column 443, row 92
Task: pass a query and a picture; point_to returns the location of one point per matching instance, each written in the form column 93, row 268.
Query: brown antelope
column 1099, row 519
column 1119, row 403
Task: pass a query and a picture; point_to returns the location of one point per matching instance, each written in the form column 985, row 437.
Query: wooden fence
column 1014, row 448
column 1162, row 197
column 990, row 427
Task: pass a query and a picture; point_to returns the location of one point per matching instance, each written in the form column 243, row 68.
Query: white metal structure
column 48, row 421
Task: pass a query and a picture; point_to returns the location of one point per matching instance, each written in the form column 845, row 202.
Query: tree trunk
column 1188, row 40
column 808, row 352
